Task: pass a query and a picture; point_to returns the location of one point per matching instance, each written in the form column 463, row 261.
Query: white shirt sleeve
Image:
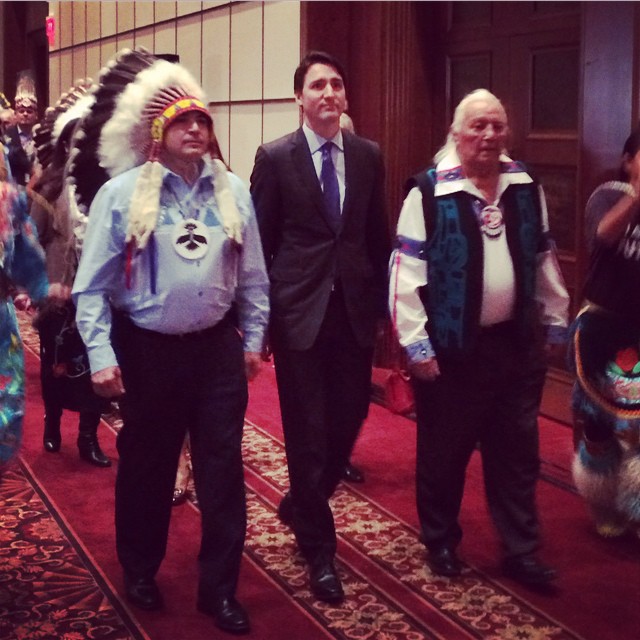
column 408, row 274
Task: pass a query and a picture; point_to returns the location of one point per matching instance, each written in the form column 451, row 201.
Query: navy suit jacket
column 306, row 254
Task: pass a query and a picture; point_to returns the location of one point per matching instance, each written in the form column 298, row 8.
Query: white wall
column 243, row 53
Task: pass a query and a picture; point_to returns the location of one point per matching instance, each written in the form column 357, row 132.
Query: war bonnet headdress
column 71, row 106
column 133, row 136
column 25, row 92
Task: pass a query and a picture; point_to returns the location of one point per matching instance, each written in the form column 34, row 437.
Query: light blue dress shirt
column 190, row 295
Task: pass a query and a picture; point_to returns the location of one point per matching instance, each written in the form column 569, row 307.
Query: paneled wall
column 243, row 53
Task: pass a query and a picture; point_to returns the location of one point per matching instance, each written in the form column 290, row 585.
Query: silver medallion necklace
column 190, row 236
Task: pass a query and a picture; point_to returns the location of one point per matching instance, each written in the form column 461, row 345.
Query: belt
column 170, row 337
column 500, row 328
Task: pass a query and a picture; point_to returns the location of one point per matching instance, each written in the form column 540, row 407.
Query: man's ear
column 298, row 97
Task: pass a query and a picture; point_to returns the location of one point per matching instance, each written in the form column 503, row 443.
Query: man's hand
column 107, row 383
column 22, row 301
column 252, row 364
column 426, row 370
column 59, row 292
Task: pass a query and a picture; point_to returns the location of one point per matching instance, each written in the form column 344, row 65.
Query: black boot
column 51, row 438
column 88, row 445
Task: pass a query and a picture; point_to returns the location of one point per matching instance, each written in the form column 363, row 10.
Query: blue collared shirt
column 168, row 293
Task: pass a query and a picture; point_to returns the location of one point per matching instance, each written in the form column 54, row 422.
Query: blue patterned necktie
column 330, row 189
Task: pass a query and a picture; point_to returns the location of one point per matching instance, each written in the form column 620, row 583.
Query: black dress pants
column 173, row 384
column 492, row 399
column 324, row 394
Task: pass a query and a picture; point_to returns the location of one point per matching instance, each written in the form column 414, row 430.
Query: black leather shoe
column 228, row 613
column 179, row 496
column 528, row 570
column 143, row 593
column 285, row 510
column 51, row 439
column 352, row 474
column 325, row 583
column 444, row 562
column 51, row 444
column 90, row 451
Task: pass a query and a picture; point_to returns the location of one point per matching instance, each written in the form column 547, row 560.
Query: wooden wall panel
column 281, row 48
column 93, row 20
column 79, row 63
column 145, row 38
column 79, row 23
column 215, row 54
column 93, row 61
column 165, row 38
column 164, row 11
column 187, row 7
column 54, row 77
column 144, row 11
column 125, row 15
column 65, row 24
column 246, row 135
column 189, row 44
column 108, row 19
column 246, row 52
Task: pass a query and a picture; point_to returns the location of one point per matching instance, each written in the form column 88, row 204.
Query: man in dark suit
column 326, row 243
column 18, row 139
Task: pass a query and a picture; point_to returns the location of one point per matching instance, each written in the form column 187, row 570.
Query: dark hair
column 631, row 147
column 315, row 57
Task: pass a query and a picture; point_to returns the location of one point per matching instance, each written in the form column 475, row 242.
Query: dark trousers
column 174, row 385
column 324, row 395
column 491, row 399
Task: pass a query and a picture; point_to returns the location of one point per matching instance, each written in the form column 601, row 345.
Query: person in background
column 18, row 138
column 6, row 120
column 319, row 200
column 21, row 264
column 476, row 291
column 64, row 367
column 605, row 355
column 171, row 245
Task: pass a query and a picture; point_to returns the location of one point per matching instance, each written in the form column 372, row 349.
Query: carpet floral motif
column 473, row 602
column 480, row 608
column 46, row 592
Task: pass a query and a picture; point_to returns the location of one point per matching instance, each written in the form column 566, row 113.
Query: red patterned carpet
column 59, row 577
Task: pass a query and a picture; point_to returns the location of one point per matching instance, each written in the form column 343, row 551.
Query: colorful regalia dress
column 21, row 265
column 605, row 357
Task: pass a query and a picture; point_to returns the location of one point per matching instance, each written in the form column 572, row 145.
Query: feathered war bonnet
column 25, row 92
column 133, row 136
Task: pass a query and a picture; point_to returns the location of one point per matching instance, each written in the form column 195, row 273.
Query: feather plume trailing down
column 231, row 220
column 84, row 170
column 145, row 204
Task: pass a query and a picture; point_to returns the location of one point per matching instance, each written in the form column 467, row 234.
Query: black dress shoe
column 143, row 593
column 528, row 570
column 90, row 450
column 285, row 510
column 325, row 583
column 444, row 562
column 352, row 474
column 51, row 444
column 228, row 613
column 52, row 438
column 179, row 496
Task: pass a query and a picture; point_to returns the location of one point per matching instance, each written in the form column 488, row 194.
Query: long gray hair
column 458, row 118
